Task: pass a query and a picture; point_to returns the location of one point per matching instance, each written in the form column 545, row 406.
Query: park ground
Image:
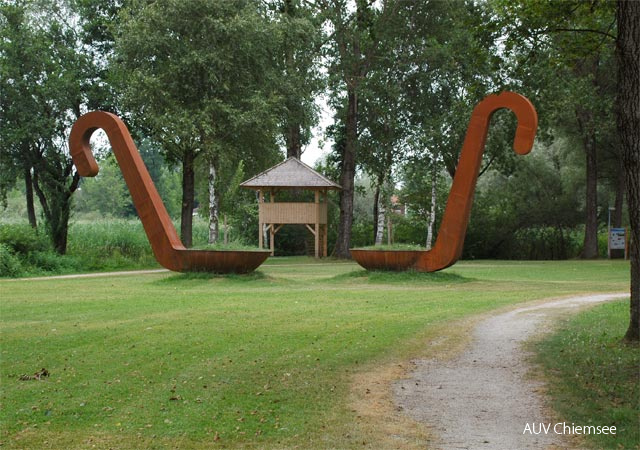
column 298, row 354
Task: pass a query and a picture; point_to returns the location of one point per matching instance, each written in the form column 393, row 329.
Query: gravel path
column 483, row 399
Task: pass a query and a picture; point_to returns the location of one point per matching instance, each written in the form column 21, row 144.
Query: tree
column 565, row 50
column 199, row 77
column 424, row 191
column 358, row 33
column 300, row 82
column 380, row 140
column 45, row 84
column 21, row 54
column 628, row 119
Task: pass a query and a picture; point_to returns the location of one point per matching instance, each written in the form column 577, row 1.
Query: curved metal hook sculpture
column 162, row 235
column 448, row 247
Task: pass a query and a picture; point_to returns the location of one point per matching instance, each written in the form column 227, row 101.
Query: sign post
column 617, row 243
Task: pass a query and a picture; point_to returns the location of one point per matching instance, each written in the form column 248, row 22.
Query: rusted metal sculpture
column 162, row 235
column 448, row 247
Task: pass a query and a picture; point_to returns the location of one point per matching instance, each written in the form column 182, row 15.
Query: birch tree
column 359, row 30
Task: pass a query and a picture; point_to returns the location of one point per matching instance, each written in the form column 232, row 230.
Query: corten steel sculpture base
column 448, row 247
column 165, row 243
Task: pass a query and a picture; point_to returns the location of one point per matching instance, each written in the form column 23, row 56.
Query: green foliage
column 393, row 247
column 170, row 190
column 361, row 232
column 93, row 246
column 46, row 79
column 26, row 252
column 593, row 376
column 49, row 262
column 563, row 53
column 230, row 246
column 181, row 81
column 108, row 238
column 542, row 243
column 294, row 240
column 10, row 265
column 298, row 60
column 22, row 239
column 532, row 214
column 199, row 77
column 411, row 229
column 106, row 193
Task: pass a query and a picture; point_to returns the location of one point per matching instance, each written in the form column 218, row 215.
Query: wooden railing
column 287, row 213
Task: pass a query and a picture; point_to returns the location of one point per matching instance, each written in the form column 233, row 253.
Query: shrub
column 22, row 239
column 9, row 263
column 542, row 243
column 46, row 261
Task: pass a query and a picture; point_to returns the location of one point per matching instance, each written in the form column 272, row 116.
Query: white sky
column 319, row 146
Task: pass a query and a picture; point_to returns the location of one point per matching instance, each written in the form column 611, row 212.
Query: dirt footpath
column 484, row 399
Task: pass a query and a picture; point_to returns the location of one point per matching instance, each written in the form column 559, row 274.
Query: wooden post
column 324, row 240
column 326, row 225
column 272, row 236
column 317, row 225
column 272, row 231
column 260, row 224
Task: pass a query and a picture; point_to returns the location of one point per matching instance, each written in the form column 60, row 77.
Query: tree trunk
column 347, row 176
column 628, row 118
column 380, row 220
column 292, row 134
column 31, row 211
column 294, row 141
column 55, row 199
column 265, row 236
column 432, row 212
column 616, row 217
column 389, row 231
column 60, row 226
column 188, row 195
column 590, row 246
column 214, row 202
column 376, row 199
column 226, row 229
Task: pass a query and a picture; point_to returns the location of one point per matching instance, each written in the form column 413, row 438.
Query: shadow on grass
column 192, row 277
column 409, row 276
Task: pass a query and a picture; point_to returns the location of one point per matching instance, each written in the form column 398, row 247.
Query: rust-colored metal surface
column 162, row 235
column 395, row 260
column 450, row 240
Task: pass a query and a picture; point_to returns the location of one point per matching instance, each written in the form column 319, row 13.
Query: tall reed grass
column 106, row 244
column 94, row 244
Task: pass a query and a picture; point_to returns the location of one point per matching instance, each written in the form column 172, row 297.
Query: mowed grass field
column 267, row 360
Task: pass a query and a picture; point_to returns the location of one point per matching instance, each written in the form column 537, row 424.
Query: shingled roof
column 290, row 174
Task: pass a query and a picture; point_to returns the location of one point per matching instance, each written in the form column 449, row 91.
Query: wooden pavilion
column 292, row 174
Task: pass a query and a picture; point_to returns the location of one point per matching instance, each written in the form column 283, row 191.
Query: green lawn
column 265, row 360
column 594, row 377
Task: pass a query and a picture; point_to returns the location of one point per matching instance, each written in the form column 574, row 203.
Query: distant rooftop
column 290, row 174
